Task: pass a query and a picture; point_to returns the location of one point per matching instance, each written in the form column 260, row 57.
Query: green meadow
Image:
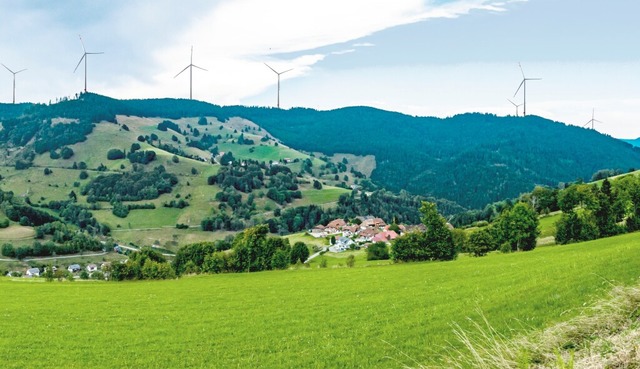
column 337, row 317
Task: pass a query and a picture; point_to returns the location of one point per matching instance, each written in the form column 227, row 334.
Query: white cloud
column 234, row 38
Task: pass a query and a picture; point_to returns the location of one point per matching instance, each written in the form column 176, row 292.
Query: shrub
column 84, row 174
column 115, row 154
column 378, row 251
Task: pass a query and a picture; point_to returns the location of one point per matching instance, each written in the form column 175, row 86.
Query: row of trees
column 251, row 250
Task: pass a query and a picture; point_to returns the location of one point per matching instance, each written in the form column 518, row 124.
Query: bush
column 97, row 275
column 4, row 223
column 299, row 253
column 115, row 154
column 481, row 242
column 351, row 261
column 378, row 251
column 84, row 174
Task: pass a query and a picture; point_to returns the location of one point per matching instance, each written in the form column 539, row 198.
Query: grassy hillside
column 494, row 157
column 337, row 317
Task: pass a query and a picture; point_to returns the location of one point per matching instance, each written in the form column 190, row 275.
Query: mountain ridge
column 472, row 159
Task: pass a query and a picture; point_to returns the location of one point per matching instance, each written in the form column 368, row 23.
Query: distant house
column 366, row 235
column 92, row 268
column 342, row 244
column 318, row 231
column 348, row 231
column 337, row 224
column 73, row 268
column 33, row 272
column 377, row 223
column 385, row 236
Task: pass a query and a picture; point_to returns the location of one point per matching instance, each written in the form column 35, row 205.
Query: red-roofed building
column 385, row 236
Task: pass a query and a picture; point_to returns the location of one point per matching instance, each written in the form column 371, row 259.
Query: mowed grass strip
column 311, row 318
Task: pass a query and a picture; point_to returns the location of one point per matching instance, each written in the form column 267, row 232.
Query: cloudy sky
column 420, row 57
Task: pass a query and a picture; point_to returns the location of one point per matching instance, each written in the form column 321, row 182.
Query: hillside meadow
column 386, row 316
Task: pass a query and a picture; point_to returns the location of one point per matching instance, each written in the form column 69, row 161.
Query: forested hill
column 472, row 159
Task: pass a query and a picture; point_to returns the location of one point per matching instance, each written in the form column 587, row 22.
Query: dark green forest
column 470, row 159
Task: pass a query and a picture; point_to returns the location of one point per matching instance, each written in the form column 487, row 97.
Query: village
column 360, row 233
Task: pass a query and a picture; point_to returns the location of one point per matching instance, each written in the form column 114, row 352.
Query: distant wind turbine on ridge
column 593, row 120
column 84, row 56
column 190, row 67
column 516, row 105
column 278, row 73
column 524, row 84
column 14, row 80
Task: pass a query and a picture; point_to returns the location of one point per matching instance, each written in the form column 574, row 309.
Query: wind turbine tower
column 190, row 67
column 593, row 120
column 84, row 56
column 14, row 80
column 523, row 85
column 516, row 105
column 278, row 73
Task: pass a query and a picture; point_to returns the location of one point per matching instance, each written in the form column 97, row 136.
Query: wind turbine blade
column 83, row 56
column 586, row 124
column 512, row 103
column 195, row 66
column 21, row 70
column 82, row 42
column 521, row 83
column 101, row 52
column 288, row 70
column 534, row 79
column 7, row 68
column 274, row 71
column 521, row 71
column 185, row 68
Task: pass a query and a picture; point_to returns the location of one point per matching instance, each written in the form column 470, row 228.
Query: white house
column 342, row 244
column 92, row 268
column 33, row 272
column 74, row 268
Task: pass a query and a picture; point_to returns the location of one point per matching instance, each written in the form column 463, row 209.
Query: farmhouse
column 337, row 224
column 366, row 235
column 92, row 268
column 385, row 236
column 377, row 223
column 33, row 272
column 74, row 268
column 318, row 231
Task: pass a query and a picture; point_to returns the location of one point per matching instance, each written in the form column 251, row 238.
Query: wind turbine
column 516, row 105
column 593, row 119
column 190, row 67
column 278, row 73
column 524, row 84
column 14, row 80
column 84, row 56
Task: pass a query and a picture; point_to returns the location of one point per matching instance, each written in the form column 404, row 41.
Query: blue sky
column 433, row 58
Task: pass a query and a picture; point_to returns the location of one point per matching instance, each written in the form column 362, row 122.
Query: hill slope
column 471, row 159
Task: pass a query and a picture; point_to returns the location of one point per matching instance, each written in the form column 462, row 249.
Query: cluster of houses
column 73, row 268
column 369, row 230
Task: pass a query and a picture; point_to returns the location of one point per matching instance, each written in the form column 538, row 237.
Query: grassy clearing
column 17, row 232
column 326, row 195
column 169, row 238
column 548, row 224
column 334, row 317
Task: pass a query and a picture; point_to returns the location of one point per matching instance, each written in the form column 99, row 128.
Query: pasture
column 378, row 316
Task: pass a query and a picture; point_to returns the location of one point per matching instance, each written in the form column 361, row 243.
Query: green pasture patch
column 378, row 317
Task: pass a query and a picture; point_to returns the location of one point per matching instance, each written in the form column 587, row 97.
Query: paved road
column 316, row 254
column 65, row 256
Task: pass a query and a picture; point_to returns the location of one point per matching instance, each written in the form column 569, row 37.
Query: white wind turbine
column 84, row 56
column 278, row 73
column 14, row 80
column 190, row 67
column 524, row 84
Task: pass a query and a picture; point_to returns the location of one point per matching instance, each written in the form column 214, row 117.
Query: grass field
column 386, row 316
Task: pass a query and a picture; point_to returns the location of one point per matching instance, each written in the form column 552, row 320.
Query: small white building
column 73, row 268
column 92, row 268
column 33, row 272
